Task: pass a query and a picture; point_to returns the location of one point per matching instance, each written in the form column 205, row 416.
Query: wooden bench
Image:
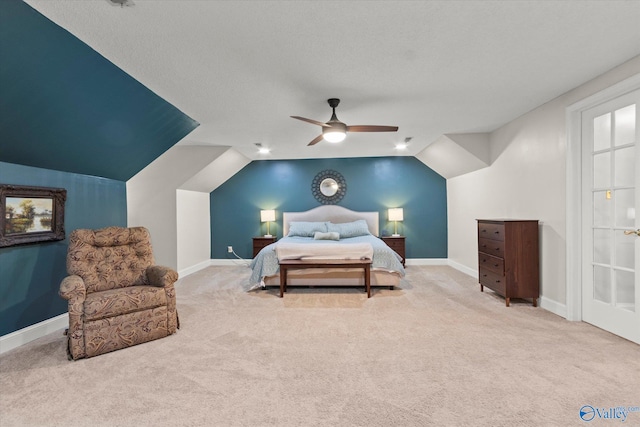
column 299, row 264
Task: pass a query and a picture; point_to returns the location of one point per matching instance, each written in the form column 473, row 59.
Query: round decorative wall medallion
column 329, row 187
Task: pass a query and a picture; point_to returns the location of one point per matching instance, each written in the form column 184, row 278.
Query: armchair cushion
column 110, row 258
column 114, row 302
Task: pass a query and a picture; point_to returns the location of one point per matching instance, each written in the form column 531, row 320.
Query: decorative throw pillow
column 306, row 229
column 329, row 235
column 350, row 229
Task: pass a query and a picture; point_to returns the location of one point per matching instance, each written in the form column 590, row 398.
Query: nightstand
column 261, row 242
column 397, row 244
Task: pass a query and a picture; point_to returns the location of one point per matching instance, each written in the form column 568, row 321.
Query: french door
column 610, row 208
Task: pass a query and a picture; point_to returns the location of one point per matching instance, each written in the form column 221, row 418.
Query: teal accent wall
column 63, row 106
column 31, row 274
column 373, row 184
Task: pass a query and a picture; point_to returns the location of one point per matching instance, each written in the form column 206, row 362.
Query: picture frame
column 31, row 214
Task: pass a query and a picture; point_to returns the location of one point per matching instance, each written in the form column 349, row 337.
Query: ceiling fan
column 335, row 131
column 122, row 3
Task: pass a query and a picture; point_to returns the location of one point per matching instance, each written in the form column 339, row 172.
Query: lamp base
column 395, row 235
column 268, row 235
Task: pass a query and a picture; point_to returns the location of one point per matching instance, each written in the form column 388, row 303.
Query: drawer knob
column 495, row 265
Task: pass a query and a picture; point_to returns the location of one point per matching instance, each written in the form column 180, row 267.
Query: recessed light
column 264, row 150
column 405, row 144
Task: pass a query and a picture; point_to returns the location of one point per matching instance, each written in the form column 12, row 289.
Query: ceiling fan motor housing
column 333, row 102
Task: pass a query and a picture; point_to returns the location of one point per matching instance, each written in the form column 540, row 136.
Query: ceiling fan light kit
column 336, row 131
column 333, row 134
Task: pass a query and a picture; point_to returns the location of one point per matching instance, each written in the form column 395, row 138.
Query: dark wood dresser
column 508, row 258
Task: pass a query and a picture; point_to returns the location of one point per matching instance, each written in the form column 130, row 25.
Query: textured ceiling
column 241, row 68
column 65, row 107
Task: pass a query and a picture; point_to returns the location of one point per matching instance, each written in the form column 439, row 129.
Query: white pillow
column 329, row 235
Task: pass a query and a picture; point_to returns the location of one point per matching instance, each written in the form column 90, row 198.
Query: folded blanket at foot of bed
column 309, row 251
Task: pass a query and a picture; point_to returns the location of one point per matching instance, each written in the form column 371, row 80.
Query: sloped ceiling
column 65, row 107
column 241, row 68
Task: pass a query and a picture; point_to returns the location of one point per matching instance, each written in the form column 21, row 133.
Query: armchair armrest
column 161, row 276
column 72, row 287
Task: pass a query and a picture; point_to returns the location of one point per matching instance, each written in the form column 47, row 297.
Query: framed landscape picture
column 31, row 214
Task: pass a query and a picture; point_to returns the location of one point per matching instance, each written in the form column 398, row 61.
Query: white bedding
column 311, row 251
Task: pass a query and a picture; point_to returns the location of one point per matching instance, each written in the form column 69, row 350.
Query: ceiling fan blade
column 316, row 140
column 313, row 122
column 371, row 128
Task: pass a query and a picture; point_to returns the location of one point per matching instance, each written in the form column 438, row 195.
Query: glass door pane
column 613, row 192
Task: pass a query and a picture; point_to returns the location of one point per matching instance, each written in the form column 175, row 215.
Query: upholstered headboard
column 333, row 213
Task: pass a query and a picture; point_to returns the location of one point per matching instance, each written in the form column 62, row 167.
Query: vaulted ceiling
column 65, row 107
column 240, row 69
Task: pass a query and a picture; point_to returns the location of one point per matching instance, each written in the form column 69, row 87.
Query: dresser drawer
column 491, row 263
column 490, row 231
column 493, row 281
column 491, row 247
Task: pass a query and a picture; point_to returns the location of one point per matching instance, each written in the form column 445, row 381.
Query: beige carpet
column 435, row 352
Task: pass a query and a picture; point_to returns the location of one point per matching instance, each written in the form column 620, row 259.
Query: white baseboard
column 463, row 268
column 426, row 261
column 230, row 262
column 218, row 262
column 33, row 332
column 553, row 306
column 190, row 270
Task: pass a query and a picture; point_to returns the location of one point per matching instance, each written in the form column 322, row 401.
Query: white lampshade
column 267, row 215
column 395, row 214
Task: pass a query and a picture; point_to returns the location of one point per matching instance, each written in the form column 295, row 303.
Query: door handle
column 630, row 232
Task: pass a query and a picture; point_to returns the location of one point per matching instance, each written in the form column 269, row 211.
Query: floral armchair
column 117, row 296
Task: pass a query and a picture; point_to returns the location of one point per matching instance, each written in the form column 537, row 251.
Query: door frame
column 573, row 220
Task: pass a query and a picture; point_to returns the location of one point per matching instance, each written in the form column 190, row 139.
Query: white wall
column 152, row 196
column 194, row 228
column 526, row 179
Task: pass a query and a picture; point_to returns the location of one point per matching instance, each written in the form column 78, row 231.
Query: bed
column 312, row 235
